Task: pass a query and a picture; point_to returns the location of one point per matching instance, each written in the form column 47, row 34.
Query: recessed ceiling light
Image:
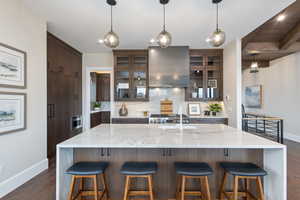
column 281, row 17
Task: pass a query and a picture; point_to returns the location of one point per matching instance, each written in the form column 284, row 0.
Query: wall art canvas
column 12, row 112
column 12, row 67
column 253, row 96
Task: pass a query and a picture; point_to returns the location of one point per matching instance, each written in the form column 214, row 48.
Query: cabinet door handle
column 102, row 152
column 53, row 110
column 108, row 152
column 164, row 153
column 170, row 152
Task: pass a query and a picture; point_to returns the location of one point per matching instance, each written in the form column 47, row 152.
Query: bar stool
column 138, row 170
column 187, row 170
column 246, row 172
column 88, row 170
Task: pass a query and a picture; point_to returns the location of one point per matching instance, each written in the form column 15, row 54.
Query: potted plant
column 215, row 108
column 97, row 105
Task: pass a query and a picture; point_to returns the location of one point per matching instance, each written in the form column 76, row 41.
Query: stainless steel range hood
column 169, row 67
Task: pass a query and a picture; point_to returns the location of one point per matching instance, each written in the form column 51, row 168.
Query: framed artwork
column 253, row 96
column 212, row 83
column 12, row 112
column 194, row 109
column 12, row 67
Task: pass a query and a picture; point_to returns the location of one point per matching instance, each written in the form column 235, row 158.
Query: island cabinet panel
column 165, row 178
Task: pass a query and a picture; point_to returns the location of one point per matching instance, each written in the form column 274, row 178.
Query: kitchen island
column 165, row 144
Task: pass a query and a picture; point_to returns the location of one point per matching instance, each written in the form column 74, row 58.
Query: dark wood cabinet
column 102, row 117
column 103, row 87
column 64, row 93
column 209, row 121
column 206, row 75
column 127, row 120
column 131, row 75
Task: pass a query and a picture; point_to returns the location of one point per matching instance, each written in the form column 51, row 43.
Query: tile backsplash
column 136, row 109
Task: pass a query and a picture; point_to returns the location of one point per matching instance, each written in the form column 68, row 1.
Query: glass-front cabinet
column 206, row 68
column 131, row 75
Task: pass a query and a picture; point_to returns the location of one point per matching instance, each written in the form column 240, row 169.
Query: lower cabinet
column 100, row 118
column 130, row 120
column 209, row 121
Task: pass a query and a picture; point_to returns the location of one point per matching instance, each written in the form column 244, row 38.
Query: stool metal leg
column 70, row 196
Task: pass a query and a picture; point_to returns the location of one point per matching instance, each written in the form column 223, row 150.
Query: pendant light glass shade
column 218, row 37
column 164, row 39
column 111, row 40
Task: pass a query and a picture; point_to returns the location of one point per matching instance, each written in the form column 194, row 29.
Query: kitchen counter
column 212, row 143
column 161, row 136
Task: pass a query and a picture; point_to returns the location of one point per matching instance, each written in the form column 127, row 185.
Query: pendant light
column 164, row 39
column 254, row 65
column 218, row 37
column 111, row 39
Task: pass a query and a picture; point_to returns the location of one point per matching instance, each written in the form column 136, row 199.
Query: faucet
column 180, row 115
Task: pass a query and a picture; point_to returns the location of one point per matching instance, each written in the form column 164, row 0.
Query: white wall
column 93, row 62
column 232, row 82
column 24, row 154
column 281, row 92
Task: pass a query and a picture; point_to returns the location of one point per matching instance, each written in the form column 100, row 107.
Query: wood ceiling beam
column 261, row 63
column 259, row 47
column 292, row 37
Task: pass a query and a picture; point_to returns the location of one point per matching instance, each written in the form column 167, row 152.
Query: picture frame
column 194, row 109
column 12, row 112
column 253, row 96
column 13, row 67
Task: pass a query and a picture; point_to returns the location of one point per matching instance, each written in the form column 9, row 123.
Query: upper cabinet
column 206, row 75
column 103, row 87
column 131, row 82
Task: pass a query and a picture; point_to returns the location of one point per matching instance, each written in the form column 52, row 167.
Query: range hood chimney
column 169, row 67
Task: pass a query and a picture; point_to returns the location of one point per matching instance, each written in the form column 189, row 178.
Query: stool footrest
column 138, row 193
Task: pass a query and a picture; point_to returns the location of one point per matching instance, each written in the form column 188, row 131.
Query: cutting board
column 166, row 107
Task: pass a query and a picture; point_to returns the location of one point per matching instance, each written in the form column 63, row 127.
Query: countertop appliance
column 76, row 123
column 164, row 119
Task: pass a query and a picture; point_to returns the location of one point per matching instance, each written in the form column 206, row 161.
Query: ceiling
column 274, row 39
column 82, row 22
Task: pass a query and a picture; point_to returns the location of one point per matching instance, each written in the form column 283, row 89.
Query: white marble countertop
column 154, row 136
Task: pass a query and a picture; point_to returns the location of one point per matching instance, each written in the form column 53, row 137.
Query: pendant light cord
column 217, row 16
column 111, row 18
column 164, row 17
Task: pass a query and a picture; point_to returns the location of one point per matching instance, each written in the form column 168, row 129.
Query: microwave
column 76, row 123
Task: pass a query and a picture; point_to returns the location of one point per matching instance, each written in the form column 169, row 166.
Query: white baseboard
column 293, row 137
column 19, row 179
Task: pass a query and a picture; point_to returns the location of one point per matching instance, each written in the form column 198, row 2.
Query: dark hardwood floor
column 42, row 187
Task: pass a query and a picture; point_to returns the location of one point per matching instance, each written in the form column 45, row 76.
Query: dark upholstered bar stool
column 138, row 170
column 187, row 170
column 246, row 172
column 88, row 170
